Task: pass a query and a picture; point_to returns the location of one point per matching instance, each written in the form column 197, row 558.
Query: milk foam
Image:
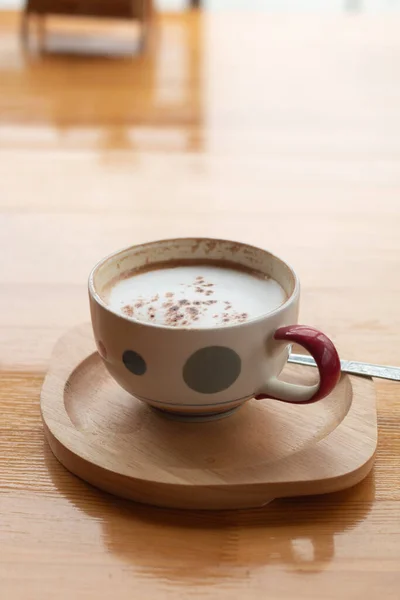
column 195, row 296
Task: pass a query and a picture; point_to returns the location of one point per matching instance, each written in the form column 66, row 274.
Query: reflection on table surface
column 116, row 103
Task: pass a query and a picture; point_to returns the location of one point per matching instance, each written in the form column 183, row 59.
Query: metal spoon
column 358, row 368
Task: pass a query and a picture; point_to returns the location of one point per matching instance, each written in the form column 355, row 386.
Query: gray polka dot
column 134, row 362
column 212, row 369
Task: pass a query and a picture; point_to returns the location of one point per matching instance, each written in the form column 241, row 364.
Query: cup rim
column 97, row 298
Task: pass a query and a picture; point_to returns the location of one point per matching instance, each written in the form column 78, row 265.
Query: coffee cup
column 198, row 326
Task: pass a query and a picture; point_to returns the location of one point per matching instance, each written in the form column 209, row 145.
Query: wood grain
column 287, row 138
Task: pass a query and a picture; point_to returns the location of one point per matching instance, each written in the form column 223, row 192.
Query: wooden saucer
column 265, row 450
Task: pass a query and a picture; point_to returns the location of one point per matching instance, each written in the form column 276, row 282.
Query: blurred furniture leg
column 24, row 27
column 146, row 25
column 41, row 30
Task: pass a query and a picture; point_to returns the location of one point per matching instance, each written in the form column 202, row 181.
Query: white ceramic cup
column 206, row 371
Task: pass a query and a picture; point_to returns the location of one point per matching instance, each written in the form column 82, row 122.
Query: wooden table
column 279, row 130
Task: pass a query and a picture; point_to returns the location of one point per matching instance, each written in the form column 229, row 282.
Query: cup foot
column 195, row 418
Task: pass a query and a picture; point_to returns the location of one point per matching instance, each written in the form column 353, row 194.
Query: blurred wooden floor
column 279, row 130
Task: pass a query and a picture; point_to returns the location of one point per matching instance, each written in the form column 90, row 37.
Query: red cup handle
column 325, row 355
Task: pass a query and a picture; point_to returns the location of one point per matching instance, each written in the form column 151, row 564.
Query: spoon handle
column 358, row 368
